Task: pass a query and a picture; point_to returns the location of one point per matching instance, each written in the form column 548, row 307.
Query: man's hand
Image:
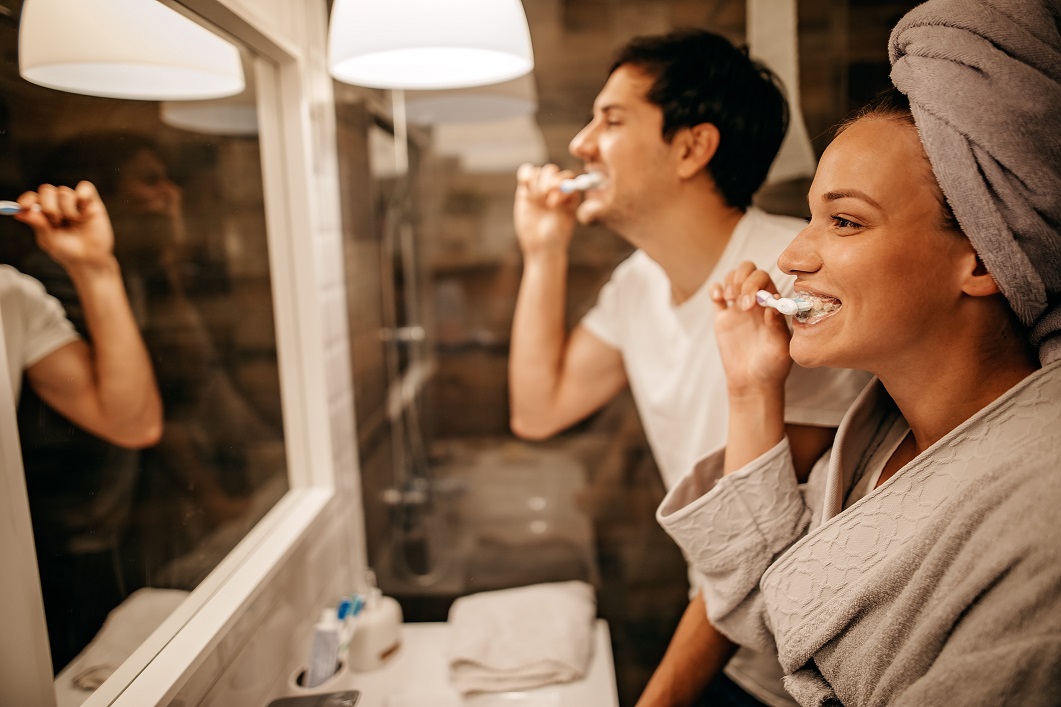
column 71, row 225
column 544, row 216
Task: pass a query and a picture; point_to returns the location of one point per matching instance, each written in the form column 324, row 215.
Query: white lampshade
column 136, row 49
column 235, row 115
column 474, row 104
column 499, row 146
column 211, row 118
column 428, row 44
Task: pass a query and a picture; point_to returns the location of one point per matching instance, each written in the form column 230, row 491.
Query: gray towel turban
column 984, row 82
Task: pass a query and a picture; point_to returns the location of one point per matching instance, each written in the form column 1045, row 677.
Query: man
column 82, row 524
column 109, row 388
column 683, row 134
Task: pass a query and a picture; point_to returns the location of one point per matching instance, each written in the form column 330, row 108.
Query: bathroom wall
column 267, row 641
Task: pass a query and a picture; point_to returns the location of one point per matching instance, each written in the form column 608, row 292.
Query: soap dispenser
column 377, row 632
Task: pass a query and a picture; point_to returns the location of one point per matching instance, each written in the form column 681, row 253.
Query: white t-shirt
column 671, row 357
column 678, row 384
column 34, row 323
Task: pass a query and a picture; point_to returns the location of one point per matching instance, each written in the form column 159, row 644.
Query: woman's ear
column 696, row 146
column 978, row 282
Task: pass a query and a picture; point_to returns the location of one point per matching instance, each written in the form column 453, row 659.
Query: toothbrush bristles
column 785, row 305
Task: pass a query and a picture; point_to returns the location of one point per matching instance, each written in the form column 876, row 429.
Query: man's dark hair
column 700, row 77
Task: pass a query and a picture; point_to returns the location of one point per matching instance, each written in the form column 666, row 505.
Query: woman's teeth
column 821, row 307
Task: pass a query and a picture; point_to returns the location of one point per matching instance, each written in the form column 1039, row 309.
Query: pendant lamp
column 498, row 146
column 231, row 116
column 428, row 44
column 498, row 101
column 135, row 49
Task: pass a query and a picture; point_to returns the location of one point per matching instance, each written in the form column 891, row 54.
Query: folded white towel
column 126, row 627
column 521, row 638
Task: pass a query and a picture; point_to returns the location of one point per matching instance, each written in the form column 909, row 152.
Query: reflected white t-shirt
column 34, row 323
column 678, row 384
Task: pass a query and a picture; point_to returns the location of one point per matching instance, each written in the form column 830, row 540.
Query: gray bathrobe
column 941, row 587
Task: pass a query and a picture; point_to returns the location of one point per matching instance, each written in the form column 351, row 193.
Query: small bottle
column 377, row 630
column 324, row 651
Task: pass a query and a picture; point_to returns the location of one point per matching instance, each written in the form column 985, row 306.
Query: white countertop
column 418, row 675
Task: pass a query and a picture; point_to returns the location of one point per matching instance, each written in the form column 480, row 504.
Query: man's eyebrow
column 850, row 194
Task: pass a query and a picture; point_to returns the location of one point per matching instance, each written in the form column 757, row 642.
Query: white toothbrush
column 785, row 305
column 10, row 208
column 582, row 182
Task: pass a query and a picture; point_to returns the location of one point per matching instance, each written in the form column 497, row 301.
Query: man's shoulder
column 764, row 225
column 16, row 282
column 761, row 237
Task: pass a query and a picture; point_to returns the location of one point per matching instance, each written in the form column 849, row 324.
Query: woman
column 921, row 562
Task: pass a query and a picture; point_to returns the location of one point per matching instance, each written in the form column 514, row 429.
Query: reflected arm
column 107, row 388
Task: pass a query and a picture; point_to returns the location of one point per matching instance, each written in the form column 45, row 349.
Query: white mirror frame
column 297, row 210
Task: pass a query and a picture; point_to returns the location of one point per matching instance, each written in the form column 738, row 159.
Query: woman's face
column 876, row 253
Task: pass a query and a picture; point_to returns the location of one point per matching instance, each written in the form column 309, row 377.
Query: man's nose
column 581, row 145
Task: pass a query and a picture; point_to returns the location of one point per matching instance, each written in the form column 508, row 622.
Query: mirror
column 122, row 536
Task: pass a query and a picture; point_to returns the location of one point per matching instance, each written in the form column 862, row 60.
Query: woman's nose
column 801, row 254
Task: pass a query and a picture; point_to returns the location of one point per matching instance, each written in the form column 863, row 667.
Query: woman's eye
column 841, row 222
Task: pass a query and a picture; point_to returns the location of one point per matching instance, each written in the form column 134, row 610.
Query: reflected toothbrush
column 10, row 208
column 589, row 180
column 785, row 305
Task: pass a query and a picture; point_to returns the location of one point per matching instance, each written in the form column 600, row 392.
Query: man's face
column 624, row 142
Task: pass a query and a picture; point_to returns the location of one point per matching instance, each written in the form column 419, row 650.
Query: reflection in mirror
column 123, row 535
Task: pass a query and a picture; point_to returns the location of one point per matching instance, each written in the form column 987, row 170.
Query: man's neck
column 686, row 238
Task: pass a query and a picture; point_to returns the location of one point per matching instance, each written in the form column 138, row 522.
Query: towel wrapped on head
column 984, row 83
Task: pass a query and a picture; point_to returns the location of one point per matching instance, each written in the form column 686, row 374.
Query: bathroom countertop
column 418, row 674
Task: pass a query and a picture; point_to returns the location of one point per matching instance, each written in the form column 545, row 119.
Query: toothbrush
column 785, row 305
column 348, row 611
column 582, row 182
column 10, row 208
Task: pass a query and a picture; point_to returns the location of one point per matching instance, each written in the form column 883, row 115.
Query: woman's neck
column 938, row 396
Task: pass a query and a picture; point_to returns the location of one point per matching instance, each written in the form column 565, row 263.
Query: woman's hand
column 753, row 344
column 752, row 339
